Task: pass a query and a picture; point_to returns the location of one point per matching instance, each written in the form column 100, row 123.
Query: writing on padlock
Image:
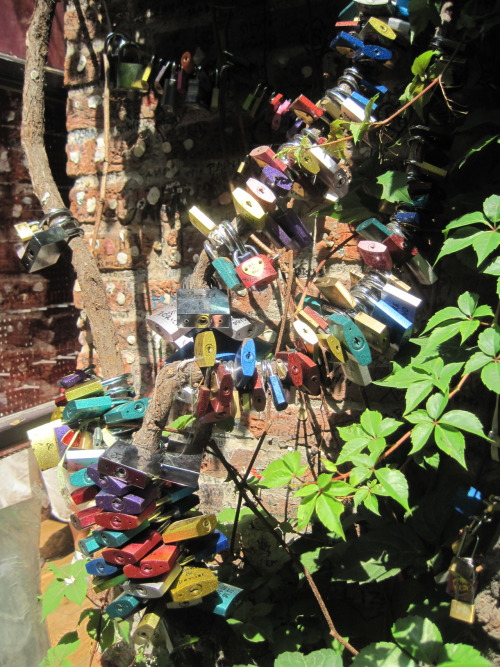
column 203, row 308
column 256, row 271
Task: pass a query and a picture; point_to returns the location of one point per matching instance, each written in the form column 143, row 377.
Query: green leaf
column 352, row 448
column 467, row 328
column 394, row 187
column 382, row 654
column 52, row 597
column 419, row 637
column 419, row 417
column 477, row 361
column 461, row 655
column 107, row 636
column 325, row 657
column 123, row 629
column 478, row 146
column 465, row 221
column 362, row 460
column 483, row 311
column 422, row 61
column 436, row 404
column 493, row 269
column 324, row 480
column 467, row 303
column 466, row 421
column 340, row 489
column 486, row 243
column 489, row 341
column 490, row 376
column 370, row 420
column 491, row 208
column 182, row 422
column 350, row 432
column 360, row 495
column 416, row 394
column 359, row 475
column 395, row 484
column 307, row 490
column 453, row 245
column 305, row 511
column 56, row 656
column 388, row 426
column 443, row 334
column 420, row 436
column 329, row 465
column 328, row 510
column 371, row 503
column 282, row 471
column 450, row 441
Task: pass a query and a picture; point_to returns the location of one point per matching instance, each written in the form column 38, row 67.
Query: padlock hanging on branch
column 126, row 63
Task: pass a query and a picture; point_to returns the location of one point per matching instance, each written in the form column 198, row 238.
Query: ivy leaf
column 489, row 341
column 340, row 489
column 282, row 471
column 394, row 482
column 443, row 315
column 323, row 480
column 382, row 654
column 52, row 597
column 490, row 376
column 325, row 657
column 421, row 63
column 328, row 510
column 477, row 361
column 467, row 328
column 466, row 421
column 467, row 302
column 56, row 656
column 359, row 475
column 443, row 334
column 388, row 426
column 478, row 146
column 435, row 405
column 350, row 432
column 305, row 511
column 359, row 129
column 486, row 243
column 455, row 244
column 123, row 629
column 450, row 441
column 465, row 220
column 107, row 635
column 352, row 448
column 461, row 655
column 394, row 187
column 360, row 495
column 420, row 436
column 419, row 637
column 416, row 394
column 371, row 503
column 493, row 269
column 370, row 420
column 491, row 208
column 307, row 490
column 363, row 460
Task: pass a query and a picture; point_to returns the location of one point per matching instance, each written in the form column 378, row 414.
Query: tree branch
column 32, row 137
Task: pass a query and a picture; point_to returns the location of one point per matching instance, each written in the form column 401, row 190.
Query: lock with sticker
column 193, row 583
column 256, row 271
column 400, row 327
column 203, row 308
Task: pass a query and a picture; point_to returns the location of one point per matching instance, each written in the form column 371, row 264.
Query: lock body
column 255, row 271
column 156, row 563
column 202, row 308
column 186, row 529
column 132, row 552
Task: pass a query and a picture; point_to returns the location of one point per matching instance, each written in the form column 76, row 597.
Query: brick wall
column 158, row 169
column 37, row 317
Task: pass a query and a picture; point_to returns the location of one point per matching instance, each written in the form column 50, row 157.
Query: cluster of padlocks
column 145, row 538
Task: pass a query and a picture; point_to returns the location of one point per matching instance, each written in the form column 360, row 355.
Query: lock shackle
column 109, row 45
column 55, row 213
column 247, row 248
column 234, row 242
column 210, row 250
column 130, row 45
column 118, row 380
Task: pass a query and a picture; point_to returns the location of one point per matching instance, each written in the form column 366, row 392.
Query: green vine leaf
column 325, row 657
column 328, row 511
column 57, row 655
column 51, row 599
column 451, row 442
column 382, row 654
column 305, row 511
column 466, row 421
column 421, row 62
column 282, row 471
column 395, row 485
column 491, row 208
column 461, row 655
column 394, row 187
column 478, row 146
column 419, row 637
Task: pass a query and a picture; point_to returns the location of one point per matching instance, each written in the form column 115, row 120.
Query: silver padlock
column 243, row 326
column 164, row 322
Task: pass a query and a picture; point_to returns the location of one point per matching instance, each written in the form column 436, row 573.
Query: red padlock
column 157, row 562
column 255, row 271
column 375, row 254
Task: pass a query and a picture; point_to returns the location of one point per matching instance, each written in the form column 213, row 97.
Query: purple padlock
column 278, row 235
column 294, row 227
column 75, row 378
column 129, row 504
column 279, row 183
column 113, row 485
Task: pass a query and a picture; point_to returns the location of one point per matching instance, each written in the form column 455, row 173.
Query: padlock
column 129, row 67
column 205, row 348
column 256, row 271
column 312, row 319
column 164, row 322
column 84, row 390
column 277, row 181
column 350, row 335
column 223, row 601
column 124, row 461
column 346, row 43
column 182, row 469
column 282, row 109
column 375, row 254
column 186, row 529
column 121, row 521
column 248, row 208
column 98, row 567
column 129, row 411
column 311, row 380
column 356, row 373
column 331, row 343
column 404, row 302
column 80, row 478
column 221, row 389
column 131, row 503
column 258, row 393
column 335, row 292
column 264, row 156
column 202, row 402
column 202, row 308
column 169, row 102
column 77, row 377
column 293, row 368
column 193, row 583
column 277, row 235
column 115, row 538
column 153, row 588
column 462, row 611
column 84, row 494
column 274, row 384
column 100, row 584
column 90, row 544
column 224, row 269
column 85, row 518
column 306, row 110
column 257, row 102
column 156, row 563
column 291, row 222
column 262, row 194
column 152, row 629
column 243, row 326
column 250, row 98
column 132, row 552
column 243, row 367
column 373, row 53
column 306, row 334
column 76, row 459
column 205, row 548
column 86, row 409
column 375, row 332
column 123, row 606
column 400, row 327
column 113, row 485
column 373, row 230
column 332, row 175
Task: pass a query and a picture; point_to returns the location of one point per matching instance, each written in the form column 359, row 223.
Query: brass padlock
column 129, row 68
column 193, row 583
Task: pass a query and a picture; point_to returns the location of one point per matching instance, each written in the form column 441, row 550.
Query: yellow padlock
column 336, row 293
column 89, row 388
column 201, row 221
column 462, row 611
column 205, row 349
column 248, row 208
column 186, row 529
column 331, row 343
column 193, row 583
column 376, row 333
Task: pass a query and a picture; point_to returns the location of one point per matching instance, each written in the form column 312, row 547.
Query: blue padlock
column 223, row 601
column 115, row 538
column 244, row 363
column 400, row 328
column 373, row 89
column 361, row 99
column 80, row 478
column 206, row 547
column 90, row 544
column 373, row 230
column 129, row 411
column 274, row 384
column 468, row 501
column 344, row 42
column 372, row 52
column 99, row 568
column 124, row 605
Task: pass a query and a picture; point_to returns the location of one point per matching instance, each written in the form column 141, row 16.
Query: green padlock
column 129, row 411
column 224, row 268
column 350, row 334
column 129, row 68
column 86, row 408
